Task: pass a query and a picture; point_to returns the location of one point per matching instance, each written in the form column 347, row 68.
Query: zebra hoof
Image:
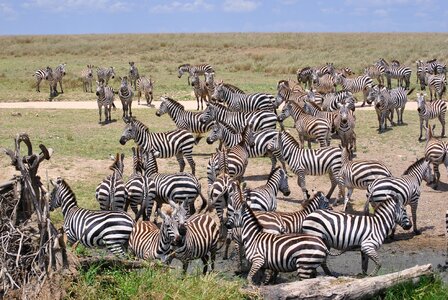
column 417, row 232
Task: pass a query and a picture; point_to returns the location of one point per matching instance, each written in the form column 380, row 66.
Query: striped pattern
column 428, row 111
column 105, row 74
column 145, row 86
column 331, row 101
column 133, row 74
column 87, row 78
column 191, row 69
column 305, row 75
column 325, row 83
column 105, row 99
column 436, row 152
column 358, row 84
column 344, row 125
column 384, row 106
column 57, row 75
column 313, row 109
column 40, row 75
column 436, row 84
column 91, row 228
column 211, row 84
column 375, row 71
column 200, row 90
column 126, row 94
column 395, row 71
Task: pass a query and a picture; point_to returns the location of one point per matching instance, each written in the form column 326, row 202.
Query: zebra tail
column 337, row 253
column 114, row 107
column 410, row 91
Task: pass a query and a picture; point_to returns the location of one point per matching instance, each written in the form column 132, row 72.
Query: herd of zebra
column 246, row 127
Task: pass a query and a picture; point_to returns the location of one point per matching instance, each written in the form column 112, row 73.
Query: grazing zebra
column 105, row 99
column 313, row 109
column 260, row 119
column 145, row 86
column 384, row 106
column 308, row 127
column 305, row 75
column 359, row 174
column 324, row 84
column 200, row 90
column 358, row 84
column 105, row 74
column 345, row 231
column 87, row 78
column 331, row 100
column 432, row 110
column 111, row 192
column 190, row 69
column 401, row 73
column 436, row 84
column 405, row 188
column 133, row 74
column 344, row 125
column 90, row 228
column 183, row 119
column 313, row 162
column 436, row 153
column 40, row 75
column 243, row 102
column 177, row 142
column 229, row 138
column 211, row 84
column 126, row 94
column 264, row 198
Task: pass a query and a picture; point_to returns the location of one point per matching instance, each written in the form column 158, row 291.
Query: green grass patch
column 428, row 288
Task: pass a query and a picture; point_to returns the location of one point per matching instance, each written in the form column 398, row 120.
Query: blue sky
column 157, row 16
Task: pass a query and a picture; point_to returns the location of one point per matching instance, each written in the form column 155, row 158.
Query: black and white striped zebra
column 324, row 84
column 384, row 106
column 431, row 110
column 105, row 99
column 313, row 109
column 359, row 174
column 243, row 102
column 145, row 86
column 260, row 119
column 126, row 96
column 344, row 125
column 87, row 78
column 177, row 142
column 358, row 84
column 105, row 74
column 264, row 198
column 436, row 84
column 375, row 71
column 345, row 231
column 211, row 84
column 133, row 74
column 111, row 193
column 331, row 101
column 305, row 76
column 328, row 68
column 200, row 90
column 91, row 228
column 183, row 119
column 401, row 73
column 434, row 66
column 286, row 92
column 422, row 69
column 406, row 188
column 55, row 77
column 395, row 98
column 436, row 152
column 40, row 75
column 191, row 69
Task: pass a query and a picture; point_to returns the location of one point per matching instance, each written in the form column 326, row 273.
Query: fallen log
column 343, row 287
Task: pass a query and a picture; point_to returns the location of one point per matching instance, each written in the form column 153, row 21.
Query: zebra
column 344, row 231
column 88, row 227
column 145, row 86
column 87, row 78
column 40, row 75
column 308, row 127
column 358, row 84
column 384, row 106
column 243, row 102
column 313, row 109
column 211, row 84
column 436, row 152
column 111, row 193
column 105, row 74
column 422, row 69
column 264, row 198
column 177, row 142
column 137, row 184
column 305, row 75
column 436, row 84
column 324, row 84
column 432, row 110
column 295, row 93
column 260, row 119
column 401, row 73
column 331, row 100
column 359, row 174
column 133, row 74
column 183, row 119
column 190, row 69
column 105, row 98
column 344, row 125
column 328, row 68
column 126, row 94
column 346, row 71
column 200, row 90
column 375, row 71
column 55, row 77
column 435, row 67
column 405, row 188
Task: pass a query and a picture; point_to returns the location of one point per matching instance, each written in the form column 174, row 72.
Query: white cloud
column 70, row 5
column 176, row 6
column 381, row 13
column 7, row 11
column 240, row 5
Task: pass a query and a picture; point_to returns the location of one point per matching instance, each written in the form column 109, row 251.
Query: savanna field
column 255, row 63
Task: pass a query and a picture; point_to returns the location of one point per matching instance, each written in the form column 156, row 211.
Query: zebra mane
column 228, row 127
column 431, row 61
column 273, row 171
column 290, row 138
column 175, row 103
column 68, row 188
column 219, row 106
column 307, row 202
column 411, row 167
column 314, row 104
column 138, row 123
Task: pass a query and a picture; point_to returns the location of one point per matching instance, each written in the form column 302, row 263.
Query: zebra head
column 194, row 79
column 286, row 111
column 283, row 183
column 182, row 69
column 163, row 109
column 283, row 91
column 209, row 114
column 219, row 93
column 48, row 73
column 112, row 72
column 100, row 87
column 169, row 225
column 373, row 93
column 124, row 83
column 210, row 79
column 420, row 101
column 61, row 68
column 61, row 195
column 129, row 132
column 343, row 112
column 215, row 133
column 401, row 217
column 90, row 71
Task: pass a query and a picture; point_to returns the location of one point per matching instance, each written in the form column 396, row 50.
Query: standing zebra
column 324, row 84
column 359, row 174
column 305, row 75
column 54, row 78
column 105, row 99
column 436, row 152
column 145, row 86
column 375, row 71
column 331, row 101
column 406, row 188
column 91, row 228
column 126, row 94
column 401, row 73
column 436, row 84
column 183, row 119
column 40, row 75
column 211, row 84
column 200, row 90
column 432, row 110
column 177, row 142
column 345, row 231
column 133, row 74
column 344, row 125
column 358, row 84
column 105, row 74
column 384, row 106
column 190, row 69
column 87, row 78
column 313, row 109
column 264, row 198
column 111, row 192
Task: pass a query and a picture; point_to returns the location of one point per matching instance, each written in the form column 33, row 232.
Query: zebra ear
column 53, row 183
column 111, row 157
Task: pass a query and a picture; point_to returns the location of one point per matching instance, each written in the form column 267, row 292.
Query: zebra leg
column 228, row 242
column 205, row 262
column 371, row 253
column 99, row 112
column 180, row 159
column 257, row 264
column 60, row 84
column 364, row 93
column 436, row 175
column 347, row 197
column 185, row 267
column 191, row 162
column 334, row 182
column 414, row 217
column 421, row 129
column 114, row 247
column 327, row 270
column 442, row 121
column 301, row 184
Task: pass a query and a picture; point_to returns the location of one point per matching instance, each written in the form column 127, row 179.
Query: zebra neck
column 250, row 225
column 68, row 203
column 164, row 241
column 384, row 219
column 231, row 139
column 273, row 185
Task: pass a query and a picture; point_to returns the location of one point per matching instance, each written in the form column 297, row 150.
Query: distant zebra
column 183, row 119
column 105, row 74
column 287, row 93
column 375, row 71
column 126, row 94
column 211, row 84
column 358, row 84
column 359, row 174
column 105, row 99
column 401, row 73
column 91, row 228
column 145, row 86
column 384, row 106
column 331, row 101
column 328, row 68
column 177, row 142
column 436, row 84
column 344, row 125
column 436, row 152
column 200, row 90
column 133, row 74
column 40, row 75
column 406, row 188
column 324, row 84
column 305, row 75
column 87, row 78
column 260, row 119
column 431, row 110
column 422, row 69
column 243, row 102
column 55, row 77
column 264, row 198
column 338, row 229
column 190, row 69
column 346, row 71
column 433, row 66
column 111, row 192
